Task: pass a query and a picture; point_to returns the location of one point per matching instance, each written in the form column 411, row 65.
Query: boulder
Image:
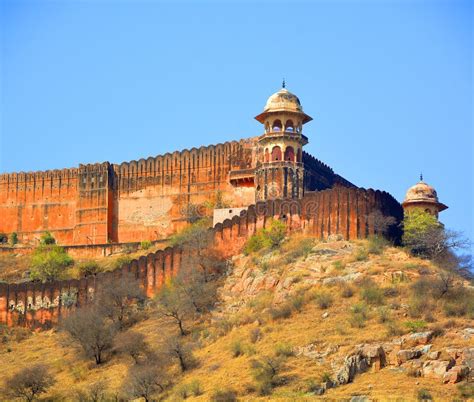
column 455, row 374
column 436, row 368
column 433, row 355
column 352, row 365
column 407, row 354
column 418, row 338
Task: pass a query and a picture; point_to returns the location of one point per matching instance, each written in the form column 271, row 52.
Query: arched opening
column 289, row 154
column 267, row 128
column 298, row 159
column 276, row 153
column 289, row 126
column 276, row 125
column 267, row 155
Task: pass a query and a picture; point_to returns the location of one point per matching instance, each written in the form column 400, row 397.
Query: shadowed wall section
column 342, row 211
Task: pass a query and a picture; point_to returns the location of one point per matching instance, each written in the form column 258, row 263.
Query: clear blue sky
column 389, row 84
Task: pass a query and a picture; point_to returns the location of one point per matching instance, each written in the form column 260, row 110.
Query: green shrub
column 358, row 315
column 383, row 314
column 297, row 247
column 145, row 244
column 339, row 265
column 283, row 311
column 195, row 388
column 265, row 372
column 466, row 390
column 324, row 300
column 237, row 348
column 326, row 377
column 416, row 326
column 361, row 255
column 49, row 262
column 377, row 244
column 224, row 395
column 255, row 335
column 89, row 268
column 393, row 329
column 460, row 303
column 270, row 236
column 297, row 302
column 373, row 295
column 47, row 239
column 424, row 395
column 347, row 290
column 284, row 349
column 122, row 260
column 13, row 238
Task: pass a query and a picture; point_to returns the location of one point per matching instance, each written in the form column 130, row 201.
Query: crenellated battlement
column 344, row 212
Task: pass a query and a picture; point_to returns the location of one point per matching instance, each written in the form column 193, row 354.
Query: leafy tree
column 92, row 331
column 29, row 382
column 89, row 268
column 49, row 262
column 47, row 239
column 271, row 236
column 426, row 237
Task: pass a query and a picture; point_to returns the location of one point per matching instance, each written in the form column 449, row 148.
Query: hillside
column 334, row 319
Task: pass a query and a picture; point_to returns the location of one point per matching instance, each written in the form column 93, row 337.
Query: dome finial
column 421, row 176
column 283, row 84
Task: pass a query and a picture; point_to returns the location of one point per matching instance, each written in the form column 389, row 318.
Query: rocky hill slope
column 337, row 320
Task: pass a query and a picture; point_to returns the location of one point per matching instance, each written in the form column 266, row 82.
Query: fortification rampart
column 348, row 212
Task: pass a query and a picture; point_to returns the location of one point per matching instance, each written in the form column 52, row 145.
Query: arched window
column 267, row 155
column 289, row 126
column 289, row 154
column 276, row 153
column 276, row 125
column 298, row 159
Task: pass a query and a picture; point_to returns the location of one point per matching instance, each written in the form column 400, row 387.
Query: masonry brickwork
column 342, row 211
column 148, row 199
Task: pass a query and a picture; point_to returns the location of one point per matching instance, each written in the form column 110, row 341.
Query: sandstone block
column 455, row 374
column 436, row 368
column 407, row 354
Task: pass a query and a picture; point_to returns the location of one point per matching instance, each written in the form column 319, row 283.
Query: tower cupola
column 280, row 169
column 423, row 196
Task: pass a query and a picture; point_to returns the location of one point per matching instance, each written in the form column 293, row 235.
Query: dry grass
column 218, row 367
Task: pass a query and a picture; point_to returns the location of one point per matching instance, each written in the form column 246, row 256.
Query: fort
column 261, row 178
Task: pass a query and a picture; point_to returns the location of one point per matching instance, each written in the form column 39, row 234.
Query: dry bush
column 143, row 381
column 133, row 344
column 29, row 382
column 224, row 395
column 255, row 335
column 92, row 331
column 324, row 299
column 280, row 312
column 347, row 290
column 265, row 372
column 284, row 349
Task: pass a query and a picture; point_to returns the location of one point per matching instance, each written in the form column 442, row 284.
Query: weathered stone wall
column 343, row 211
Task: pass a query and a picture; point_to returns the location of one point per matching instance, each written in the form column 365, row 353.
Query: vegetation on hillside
column 272, row 322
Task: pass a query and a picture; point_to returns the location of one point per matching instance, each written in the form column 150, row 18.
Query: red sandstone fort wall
column 138, row 200
column 348, row 212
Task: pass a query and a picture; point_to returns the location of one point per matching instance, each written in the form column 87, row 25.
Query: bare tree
column 144, row 381
column 382, row 223
column 92, row 331
column 95, row 392
column 171, row 304
column 180, row 350
column 133, row 344
column 192, row 285
column 118, row 299
column 29, row 382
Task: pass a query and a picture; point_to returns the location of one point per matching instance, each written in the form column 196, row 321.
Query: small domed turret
column 423, row 196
